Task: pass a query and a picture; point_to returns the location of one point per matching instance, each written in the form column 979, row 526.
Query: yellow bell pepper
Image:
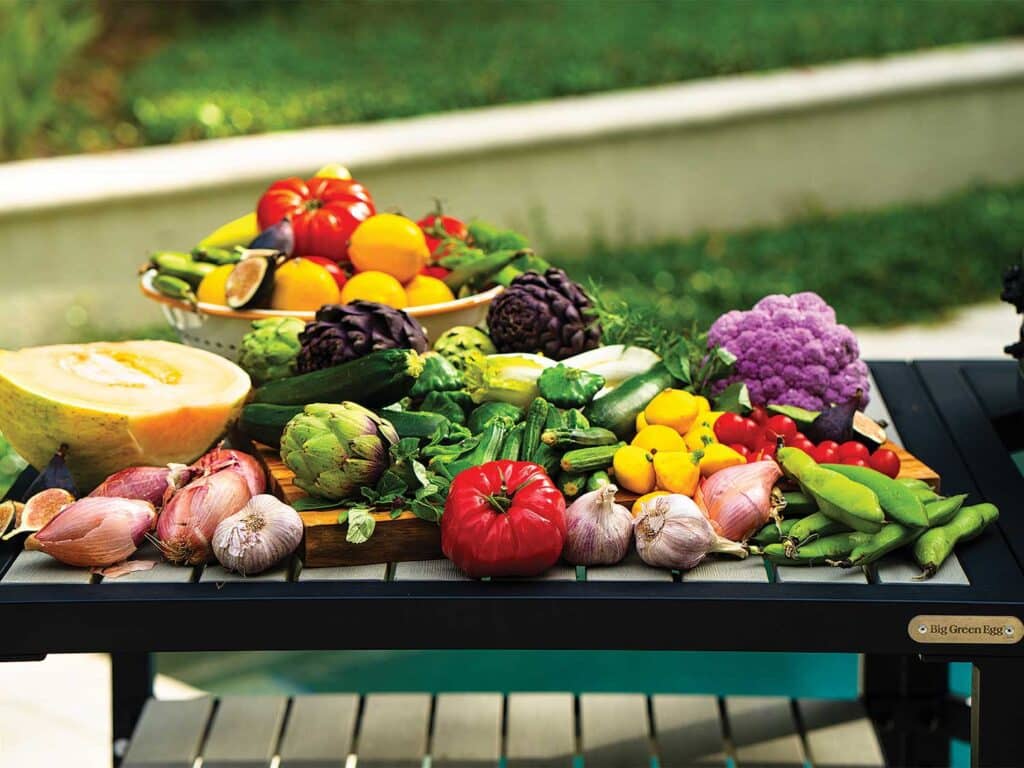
column 699, row 437
column 678, row 471
column 719, row 456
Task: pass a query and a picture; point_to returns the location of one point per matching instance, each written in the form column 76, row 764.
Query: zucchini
column 536, row 418
column 571, row 484
column 590, row 459
column 598, row 480
column 265, row 423
column 618, row 409
column 510, row 450
column 419, row 424
column 379, row 378
column 578, row 438
column 483, row 415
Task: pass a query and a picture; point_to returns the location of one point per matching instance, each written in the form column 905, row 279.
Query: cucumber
column 489, row 447
column 536, row 418
column 618, row 409
column 598, row 480
column 379, row 378
column 590, row 459
column 545, row 455
column 571, row 484
column 578, row 438
column 574, row 419
column 414, row 423
column 484, row 414
column 510, row 450
column 265, row 423
column 182, row 266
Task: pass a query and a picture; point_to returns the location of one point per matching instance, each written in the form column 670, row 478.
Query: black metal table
column 961, row 418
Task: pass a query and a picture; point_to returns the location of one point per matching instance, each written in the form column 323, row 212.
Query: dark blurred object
column 1013, row 293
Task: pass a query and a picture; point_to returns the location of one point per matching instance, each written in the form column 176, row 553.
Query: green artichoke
column 270, row 349
column 335, row 450
column 458, row 343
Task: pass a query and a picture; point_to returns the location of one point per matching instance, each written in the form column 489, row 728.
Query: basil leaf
column 735, row 398
column 360, row 525
column 310, row 503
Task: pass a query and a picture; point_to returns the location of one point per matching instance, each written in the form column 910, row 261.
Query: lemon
column 424, row 289
column 300, row 284
column 374, row 286
column 333, row 171
column 389, row 243
column 211, row 289
column 658, row 437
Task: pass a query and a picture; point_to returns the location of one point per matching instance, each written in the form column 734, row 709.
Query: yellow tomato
column 424, row 289
column 639, row 503
column 211, row 289
column 673, row 408
column 374, row 286
column 677, row 471
column 658, row 437
column 300, row 284
column 634, row 469
column 389, row 243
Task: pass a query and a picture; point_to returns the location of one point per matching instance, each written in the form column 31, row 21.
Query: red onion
column 738, row 500
column 95, row 531
column 152, row 484
column 189, row 519
column 237, row 461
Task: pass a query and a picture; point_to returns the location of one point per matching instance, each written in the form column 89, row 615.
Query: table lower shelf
column 480, row 729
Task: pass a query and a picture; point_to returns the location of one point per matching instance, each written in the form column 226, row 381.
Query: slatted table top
column 431, row 605
column 520, row 730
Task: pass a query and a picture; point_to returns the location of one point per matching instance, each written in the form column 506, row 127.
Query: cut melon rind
column 117, row 404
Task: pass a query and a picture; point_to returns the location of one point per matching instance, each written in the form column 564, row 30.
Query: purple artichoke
column 548, row 313
column 343, row 332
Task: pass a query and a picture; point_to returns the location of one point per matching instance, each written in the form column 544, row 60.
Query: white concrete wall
column 630, row 166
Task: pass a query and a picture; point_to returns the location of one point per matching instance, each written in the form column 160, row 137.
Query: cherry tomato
column 433, row 270
column 733, row 428
column 742, row 450
column 885, row 461
column 783, row 426
column 825, row 454
column 829, row 444
column 800, row 441
column 853, row 449
column 853, row 461
column 759, row 415
column 436, row 227
column 331, row 266
column 766, row 451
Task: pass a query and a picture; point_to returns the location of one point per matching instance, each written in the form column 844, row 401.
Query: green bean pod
column 941, row 511
column 813, row 526
column 844, row 500
column 897, row 501
column 890, row 538
column 936, row 544
column 925, row 495
column 799, row 504
column 772, row 532
column 913, row 482
column 819, row 552
column 174, row 287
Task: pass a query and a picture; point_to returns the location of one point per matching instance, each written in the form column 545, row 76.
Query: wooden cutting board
column 407, row 537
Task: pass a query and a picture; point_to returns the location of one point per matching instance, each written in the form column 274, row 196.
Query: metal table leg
column 131, row 677
column 995, row 713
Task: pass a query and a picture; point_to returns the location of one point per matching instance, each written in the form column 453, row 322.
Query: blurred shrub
column 38, row 39
column 280, row 66
column 906, row 264
column 11, row 465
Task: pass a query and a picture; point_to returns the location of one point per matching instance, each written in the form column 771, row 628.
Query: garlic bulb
column 671, row 532
column 95, row 531
column 258, row 536
column 738, row 500
column 598, row 530
column 189, row 519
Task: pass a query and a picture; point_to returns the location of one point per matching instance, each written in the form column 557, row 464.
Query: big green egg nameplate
column 975, row 630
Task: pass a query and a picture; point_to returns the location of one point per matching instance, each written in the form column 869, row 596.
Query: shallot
column 152, row 484
column 95, row 532
column 189, row 519
column 258, row 536
column 739, row 500
column 237, row 461
column 598, row 530
column 671, row 532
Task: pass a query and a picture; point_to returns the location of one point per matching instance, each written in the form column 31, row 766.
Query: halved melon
column 117, row 404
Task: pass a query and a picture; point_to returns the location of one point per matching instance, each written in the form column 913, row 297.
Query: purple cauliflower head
column 790, row 350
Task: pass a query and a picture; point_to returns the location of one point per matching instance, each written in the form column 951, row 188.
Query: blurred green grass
column 253, row 67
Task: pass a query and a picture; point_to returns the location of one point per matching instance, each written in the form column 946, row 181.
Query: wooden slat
column 394, row 730
column 899, row 568
column 319, row 732
column 688, row 732
column 839, row 735
column 818, row 574
column 219, row 574
column 750, row 569
column 169, row 734
column 763, row 732
column 879, row 411
column 377, row 572
column 540, row 732
column 630, row 569
column 467, row 731
column 244, row 732
column 614, row 732
column 38, row 568
column 162, row 572
column 429, row 570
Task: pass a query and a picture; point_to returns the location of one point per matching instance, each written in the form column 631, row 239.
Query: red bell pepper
column 324, row 212
column 503, row 518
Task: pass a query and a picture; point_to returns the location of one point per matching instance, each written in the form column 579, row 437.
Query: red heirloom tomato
column 436, row 227
column 503, row 518
column 885, row 461
column 325, row 212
